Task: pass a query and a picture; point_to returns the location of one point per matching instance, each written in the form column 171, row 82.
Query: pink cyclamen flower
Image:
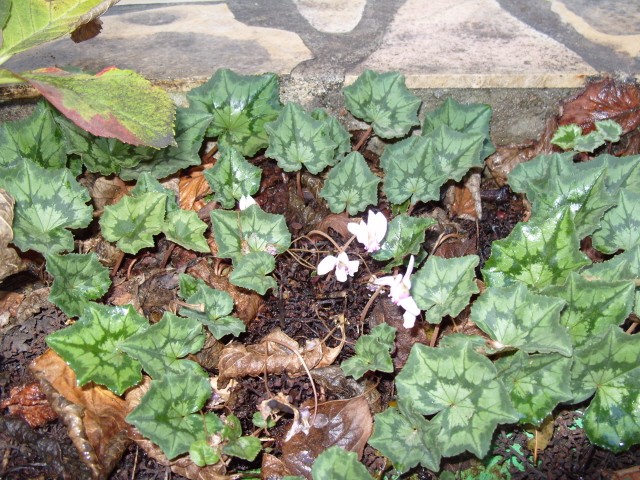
column 371, row 232
column 342, row 265
column 245, row 202
column 400, row 293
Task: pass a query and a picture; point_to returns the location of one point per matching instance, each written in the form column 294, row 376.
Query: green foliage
column 416, row 168
column 168, row 413
column 372, row 352
column 252, row 270
column 239, row 107
column 296, row 140
column 350, row 185
column 539, row 253
column 338, row 464
column 607, row 365
column 443, row 286
column 335, row 131
column 515, row 317
column 92, row 346
column 185, row 228
column 209, row 306
column 232, row 177
column 620, row 225
column 203, row 454
column 404, row 237
column 78, row 278
column 570, row 137
column 47, row 203
column 461, row 388
column 161, row 348
column 384, row 101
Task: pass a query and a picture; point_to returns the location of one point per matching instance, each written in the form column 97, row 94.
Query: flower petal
column 327, row 264
column 409, row 320
column 378, row 224
column 388, row 281
column 341, row 273
column 356, row 228
column 409, row 304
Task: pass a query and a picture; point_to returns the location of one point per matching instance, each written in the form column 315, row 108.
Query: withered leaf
column 607, row 99
column 463, row 199
column 191, row 190
column 87, row 31
column 93, row 415
column 30, row 403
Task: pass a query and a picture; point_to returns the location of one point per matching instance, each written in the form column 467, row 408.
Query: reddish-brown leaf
column 87, row 31
column 192, row 189
column 607, row 99
column 30, row 403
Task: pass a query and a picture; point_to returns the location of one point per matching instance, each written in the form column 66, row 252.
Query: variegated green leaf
column 133, row 221
column 566, row 136
column 232, row 177
column 250, row 230
column 252, row 270
column 622, row 172
column 169, row 413
column 606, row 131
column 536, row 383
column 443, row 286
column 624, row 266
column 372, row 352
column 461, row 388
column 185, row 228
column 404, row 236
column 384, row 101
column 515, row 317
column 246, row 447
column 297, row 140
column 78, row 278
column 592, row 305
column 608, row 366
column 620, row 226
column 339, row 464
column 161, row 348
column 464, row 118
column 336, row 133
column 350, row 185
column 240, row 106
column 555, row 181
column 47, row 203
column 406, row 441
column 209, row 306
column 539, row 253
column 417, row 167
column 91, row 346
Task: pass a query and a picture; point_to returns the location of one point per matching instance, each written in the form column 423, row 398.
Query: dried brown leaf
column 191, row 191
column 463, row 199
column 632, row 473
column 95, row 417
column 106, row 191
column 87, row 31
column 345, row 423
column 542, row 435
column 30, row 403
column 607, row 99
column 6, row 218
column 337, row 222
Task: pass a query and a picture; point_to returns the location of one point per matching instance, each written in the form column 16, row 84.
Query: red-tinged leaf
column 113, row 103
column 606, row 99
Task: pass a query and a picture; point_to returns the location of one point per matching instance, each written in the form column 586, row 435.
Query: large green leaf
column 622, row 172
column 553, row 182
column 33, row 22
column 608, row 366
column 209, row 306
column 443, row 286
column 461, row 387
column 338, row 464
column 240, row 106
column 37, row 138
column 405, row 235
column 536, row 383
column 78, row 278
column 250, row 230
column 161, row 348
column 335, row 131
column 252, row 270
column 232, row 177
column 540, row 252
column 384, row 101
column 592, row 305
column 185, row 228
column 297, row 140
column 372, row 352
column 464, row 118
column 113, row 103
column 405, row 440
column 169, row 412
column 91, row 346
column 47, row 203
column 417, row 167
column 133, row 221
column 620, row 227
column 515, row 317
column 350, row 185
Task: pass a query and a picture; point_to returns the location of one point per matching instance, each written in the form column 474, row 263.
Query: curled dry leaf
column 106, row 191
column 191, row 190
column 607, row 99
column 10, row 261
column 463, row 199
column 344, row 423
column 30, row 403
column 93, row 415
column 87, row 31
column 275, row 354
column 337, row 222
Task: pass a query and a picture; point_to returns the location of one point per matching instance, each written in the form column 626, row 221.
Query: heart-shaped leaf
column 232, row 177
column 372, row 352
column 404, row 237
column 620, row 226
column 252, row 270
column 338, row 464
